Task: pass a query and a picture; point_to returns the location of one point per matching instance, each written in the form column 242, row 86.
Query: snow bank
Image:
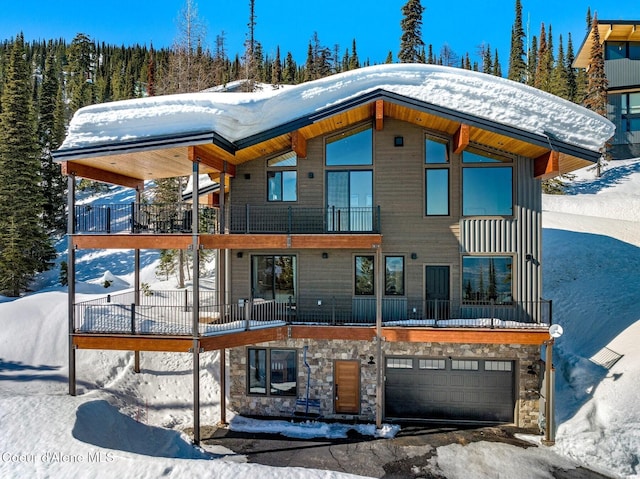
column 240, row 115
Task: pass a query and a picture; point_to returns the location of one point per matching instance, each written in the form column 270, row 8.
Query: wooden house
column 378, row 238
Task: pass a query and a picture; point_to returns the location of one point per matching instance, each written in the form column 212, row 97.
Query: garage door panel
column 469, row 395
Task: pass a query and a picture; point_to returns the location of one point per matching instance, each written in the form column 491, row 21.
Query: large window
column 353, row 147
column 274, row 277
column 487, row 191
column 282, row 178
column 350, row 200
column 272, row 372
column 364, row 276
column 620, row 50
column 394, row 275
column 436, row 177
column 487, row 278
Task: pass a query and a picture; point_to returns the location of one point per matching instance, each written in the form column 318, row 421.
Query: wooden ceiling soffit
column 92, row 173
column 379, row 114
column 299, row 144
column 461, row 138
column 197, row 153
column 547, row 166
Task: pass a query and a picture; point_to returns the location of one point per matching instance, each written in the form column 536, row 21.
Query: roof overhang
column 609, row 31
column 172, row 155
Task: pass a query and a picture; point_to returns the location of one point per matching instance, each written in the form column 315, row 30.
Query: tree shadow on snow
column 102, row 425
column 609, row 178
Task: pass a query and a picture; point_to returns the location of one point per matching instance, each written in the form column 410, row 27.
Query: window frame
column 254, row 273
column 278, row 170
column 356, row 276
column 269, row 372
column 480, row 299
column 343, row 135
column 437, row 166
column 387, row 276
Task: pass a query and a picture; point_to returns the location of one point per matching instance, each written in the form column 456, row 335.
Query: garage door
column 449, row 389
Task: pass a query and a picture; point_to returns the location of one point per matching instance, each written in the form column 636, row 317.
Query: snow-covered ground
column 129, row 425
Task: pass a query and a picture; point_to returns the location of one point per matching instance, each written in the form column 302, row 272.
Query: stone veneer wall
column 322, row 353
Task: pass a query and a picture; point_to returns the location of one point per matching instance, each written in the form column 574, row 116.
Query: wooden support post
column 299, row 144
column 136, row 280
column 546, row 166
column 379, row 115
column 71, row 279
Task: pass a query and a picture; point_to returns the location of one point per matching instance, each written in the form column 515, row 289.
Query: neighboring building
column 379, row 239
column 621, row 39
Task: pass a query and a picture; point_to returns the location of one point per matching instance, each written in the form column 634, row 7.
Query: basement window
column 272, row 372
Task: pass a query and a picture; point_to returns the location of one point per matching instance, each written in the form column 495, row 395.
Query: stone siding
column 321, row 355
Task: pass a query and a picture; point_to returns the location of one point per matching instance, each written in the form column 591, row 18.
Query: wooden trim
column 207, row 158
column 466, row 336
column 547, row 166
column 299, row 144
column 244, row 338
column 379, row 114
column 92, row 173
column 341, row 241
column 363, row 333
column 132, row 241
column 244, row 241
column 461, row 138
column 133, row 343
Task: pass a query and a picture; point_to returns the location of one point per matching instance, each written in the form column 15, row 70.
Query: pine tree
column 543, row 70
column 487, row 64
column 596, row 95
column 517, row 65
column 51, row 133
column 559, row 78
column 289, row 70
column 497, row 69
column 532, row 64
column 24, row 246
column 411, row 40
column 572, row 75
column 276, row 70
column 354, row 62
column 81, row 70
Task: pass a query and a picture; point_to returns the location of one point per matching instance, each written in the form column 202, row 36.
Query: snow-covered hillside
column 129, row 425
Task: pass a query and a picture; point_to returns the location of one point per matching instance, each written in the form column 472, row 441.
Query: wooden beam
column 466, row 336
column 461, row 138
column 547, row 166
column 92, row 173
column 233, row 340
column 132, row 241
column 133, row 343
column 244, row 241
column 207, row 158
column 299, row 144
column 364, row 333
column 379, row 114
column 340, row 241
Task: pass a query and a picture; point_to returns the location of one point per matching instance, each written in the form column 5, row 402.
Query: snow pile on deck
column 239, row 115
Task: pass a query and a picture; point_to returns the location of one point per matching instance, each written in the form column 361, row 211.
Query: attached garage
column 450, row 389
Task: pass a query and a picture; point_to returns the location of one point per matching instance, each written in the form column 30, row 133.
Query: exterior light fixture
column 398, row 141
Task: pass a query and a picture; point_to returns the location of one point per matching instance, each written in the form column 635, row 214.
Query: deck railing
column 144, row 218
column 171, row 313
column 261, row 219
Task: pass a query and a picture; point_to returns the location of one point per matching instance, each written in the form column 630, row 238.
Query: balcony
column 164, row 313
column 247, row 219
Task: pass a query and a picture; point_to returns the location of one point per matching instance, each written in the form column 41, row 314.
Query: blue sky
column 464, row 25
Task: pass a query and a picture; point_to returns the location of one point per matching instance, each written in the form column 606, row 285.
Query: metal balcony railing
column 171, row 313
column 269, row 219
column 144, row 218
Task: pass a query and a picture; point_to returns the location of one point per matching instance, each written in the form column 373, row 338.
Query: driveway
column 405, row 456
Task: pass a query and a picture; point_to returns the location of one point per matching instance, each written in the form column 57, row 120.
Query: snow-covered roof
column 237, row 116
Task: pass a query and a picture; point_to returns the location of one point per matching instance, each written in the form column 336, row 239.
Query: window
column 364, row 276
column 399, row 363
column 437, row 192
column 282, row 183
column 487, row 191
column 350, row 200
column 497, row 365
column 487, row 278
column 431, row 364
column 436, row 151
column 274, row 277
column 615, row 50
column 280, row 378
column 394, row 275
column 353, row 147
column 630, row 103
column 464, row 365
column 634, row 50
